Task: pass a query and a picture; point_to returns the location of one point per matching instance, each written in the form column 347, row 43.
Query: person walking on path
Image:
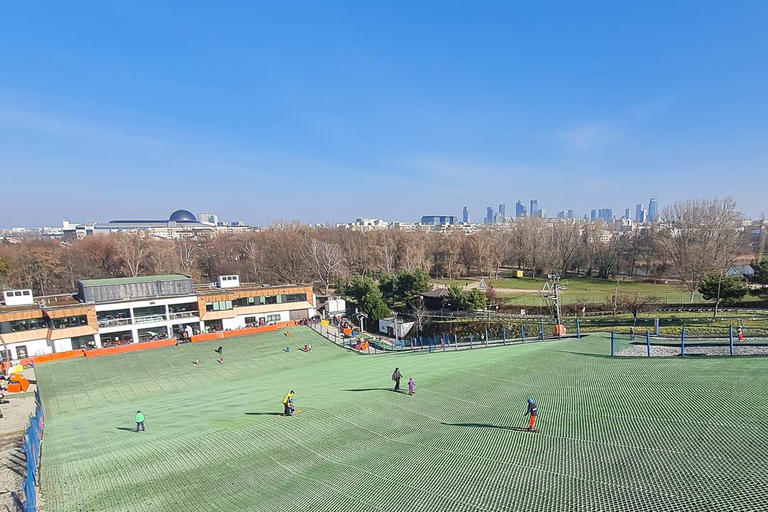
column 532, row 411
column 396, row 377
column 139, row 421
column 411, row 385
column 631, row 334
column 741, row 334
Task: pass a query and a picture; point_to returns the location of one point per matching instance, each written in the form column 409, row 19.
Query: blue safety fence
column 33, row 438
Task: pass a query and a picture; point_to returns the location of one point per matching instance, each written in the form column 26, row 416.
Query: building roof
column 131, row 280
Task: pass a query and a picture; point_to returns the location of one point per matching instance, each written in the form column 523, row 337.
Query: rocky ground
column 16, row 413
column 641, row 350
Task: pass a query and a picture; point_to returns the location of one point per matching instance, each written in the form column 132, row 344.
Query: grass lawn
column 615, row 433
column 583, row 289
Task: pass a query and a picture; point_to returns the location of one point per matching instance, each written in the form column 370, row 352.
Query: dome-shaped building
column 183, row 216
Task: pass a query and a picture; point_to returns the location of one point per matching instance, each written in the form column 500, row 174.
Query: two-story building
column 108, row 312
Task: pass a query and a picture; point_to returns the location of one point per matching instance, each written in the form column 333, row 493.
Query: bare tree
column 635, row 303
column 565, row 243
column 420, row 313
column 134, row 250
column 701, row 235
column 186, row 252
column 325, row 259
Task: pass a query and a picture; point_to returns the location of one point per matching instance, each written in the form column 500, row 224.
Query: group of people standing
column 396, row 376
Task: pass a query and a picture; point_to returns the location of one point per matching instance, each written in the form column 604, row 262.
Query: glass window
column 70, row 321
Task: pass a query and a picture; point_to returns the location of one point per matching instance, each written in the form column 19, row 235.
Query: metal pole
column 486, row 337
column 541, row 331
column 682, row 342
column 522, row 333
column 612, row 336
column 648, row 342
column 730, row 337
column 503, row 336
column 456, row 341
column 657, row 327
column 471, row 345
column 578, row 330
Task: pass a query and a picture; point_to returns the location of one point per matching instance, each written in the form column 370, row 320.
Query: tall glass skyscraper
column 534, row 211
column 503, row 209
column 520, row 210
column 653, row 209
column 465, row 215
column 489, row 215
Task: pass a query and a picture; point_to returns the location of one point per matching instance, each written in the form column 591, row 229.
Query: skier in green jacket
column 139, row 421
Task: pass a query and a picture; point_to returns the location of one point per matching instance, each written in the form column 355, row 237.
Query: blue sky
column 327, row 111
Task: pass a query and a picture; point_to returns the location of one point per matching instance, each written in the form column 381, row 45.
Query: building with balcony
column 109, row 312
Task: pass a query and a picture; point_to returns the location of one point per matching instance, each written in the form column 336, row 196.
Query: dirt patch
column 642, row 350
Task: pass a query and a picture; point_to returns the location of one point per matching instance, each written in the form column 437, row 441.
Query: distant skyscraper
column 639, row 214
column 653, row 209
column 489, row 215
column 593, row 215
column 534, row 211
column 606, row 214
column 520, row 210
column 503, row 209
column 569, row 214
column 465, row 215
column 626, row 214
column 561, row 214
column 542, row 213
column 438, row 220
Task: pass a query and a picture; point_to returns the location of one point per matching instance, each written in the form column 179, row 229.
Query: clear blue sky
column 322, row 111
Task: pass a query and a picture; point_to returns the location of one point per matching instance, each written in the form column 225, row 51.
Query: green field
column 590, row 290
column 615, row 433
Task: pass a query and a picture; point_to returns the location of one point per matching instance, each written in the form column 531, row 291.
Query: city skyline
column 264, row 112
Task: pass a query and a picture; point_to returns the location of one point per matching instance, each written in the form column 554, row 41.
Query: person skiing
column 219, row 350
column 396, row 377
column 288, row 404
column 139, row 421
column 533, row 411
column 411, row 385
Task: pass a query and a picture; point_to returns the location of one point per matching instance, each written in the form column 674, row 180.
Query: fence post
column 730, row 338
column 503, row 336
column 429, row 344
column 486, row 337
column 456, row 341
column 578, row 330
column 471, row 340
column 445, row 340
column 656, row 325
column 648, row 341
column 421, row 344
column 612, row 336
column 522, row 333
column 682, row 342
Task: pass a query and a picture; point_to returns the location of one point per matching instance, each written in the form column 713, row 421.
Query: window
column 22, row 325
column 26, row 292
column 219, row 305
column 273, row 318
column 70, row 321
column 81, row 342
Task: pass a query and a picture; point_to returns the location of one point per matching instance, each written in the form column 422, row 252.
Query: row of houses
column 109, row 312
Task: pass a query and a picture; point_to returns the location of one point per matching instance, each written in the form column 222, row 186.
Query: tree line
column 698, row 236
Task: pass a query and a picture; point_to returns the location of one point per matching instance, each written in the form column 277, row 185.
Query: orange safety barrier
column 130, row 348
column 207, row 336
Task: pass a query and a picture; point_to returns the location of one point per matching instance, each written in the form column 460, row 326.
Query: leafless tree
column 635, row 303
column 325, row 259
column 133, row 248
column 701, row 235
column 420, row 313
column 565, row 243
column 186, row 252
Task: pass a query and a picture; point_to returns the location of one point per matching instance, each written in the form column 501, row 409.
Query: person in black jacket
column 533, row 411
column 396, row 377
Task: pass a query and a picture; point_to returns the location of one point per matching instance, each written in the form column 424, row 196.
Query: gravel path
column 656, row 350
column 13, row 464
